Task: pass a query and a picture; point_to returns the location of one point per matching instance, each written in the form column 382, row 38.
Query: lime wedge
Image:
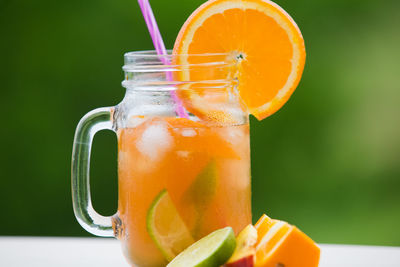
column 210, row 251
column 201, row 193
column 166, row 227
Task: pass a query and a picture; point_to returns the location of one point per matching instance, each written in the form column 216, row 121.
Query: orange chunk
column 263, row 225
column 206, row 142
column 283, row 245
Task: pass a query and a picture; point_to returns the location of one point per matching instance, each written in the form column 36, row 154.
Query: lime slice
column 166, row 227
column 210, row 251
column 201, row 193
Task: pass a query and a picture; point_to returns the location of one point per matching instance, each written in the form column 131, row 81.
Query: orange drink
column 205, row 170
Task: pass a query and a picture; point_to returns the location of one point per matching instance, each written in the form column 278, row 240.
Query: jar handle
column 94, row 121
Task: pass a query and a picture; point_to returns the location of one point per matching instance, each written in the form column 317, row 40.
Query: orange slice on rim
column 261, row 36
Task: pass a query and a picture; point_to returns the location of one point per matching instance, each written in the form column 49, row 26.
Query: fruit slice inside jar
column 260, row 37
column 166, row 227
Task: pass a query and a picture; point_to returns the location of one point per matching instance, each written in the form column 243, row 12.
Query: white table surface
column 56, row 251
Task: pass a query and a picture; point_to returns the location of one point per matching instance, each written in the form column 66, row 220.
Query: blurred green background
column 328, row 162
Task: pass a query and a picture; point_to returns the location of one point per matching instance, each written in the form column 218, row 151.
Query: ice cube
column 135, row 121
column 183, row 154
column 188, row 132
column 233, row 135
column 155, row 141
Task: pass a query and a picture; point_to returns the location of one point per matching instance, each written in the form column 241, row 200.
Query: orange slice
column 281, row 244
column 260, row 36
column 199, row 138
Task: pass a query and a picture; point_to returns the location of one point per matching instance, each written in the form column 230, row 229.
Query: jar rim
column 148, row 69
column 149, row 60
column 153, row 54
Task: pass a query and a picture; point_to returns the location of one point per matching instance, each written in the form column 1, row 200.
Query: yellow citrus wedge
column 260, row 36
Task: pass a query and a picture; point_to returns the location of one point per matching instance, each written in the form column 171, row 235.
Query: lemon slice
column 210, row 251
column 166, row 227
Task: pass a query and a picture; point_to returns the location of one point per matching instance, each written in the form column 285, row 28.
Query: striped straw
column 160, row 49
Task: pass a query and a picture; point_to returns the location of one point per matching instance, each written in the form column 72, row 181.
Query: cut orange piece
column 263, row 225
column 281, row 244
column 260, row 36
column 207, row 142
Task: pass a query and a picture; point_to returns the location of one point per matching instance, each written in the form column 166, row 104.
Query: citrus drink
column 204, row 169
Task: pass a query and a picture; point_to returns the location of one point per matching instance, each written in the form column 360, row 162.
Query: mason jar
column 183, row 156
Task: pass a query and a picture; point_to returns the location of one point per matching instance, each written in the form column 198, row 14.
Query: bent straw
column 160, row 49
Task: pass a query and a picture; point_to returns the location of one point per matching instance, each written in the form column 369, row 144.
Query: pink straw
column 160, row 49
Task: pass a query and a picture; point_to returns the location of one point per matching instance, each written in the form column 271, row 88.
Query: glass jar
column 183, row 156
